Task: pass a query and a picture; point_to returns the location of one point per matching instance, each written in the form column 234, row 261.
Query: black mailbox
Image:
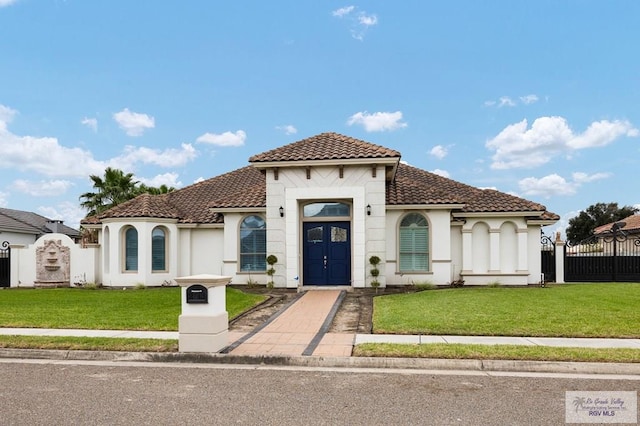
column 197, row 294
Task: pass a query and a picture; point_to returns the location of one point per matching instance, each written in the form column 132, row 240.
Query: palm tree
column 116, row 187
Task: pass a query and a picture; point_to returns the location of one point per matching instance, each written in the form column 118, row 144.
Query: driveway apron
column 301, row 329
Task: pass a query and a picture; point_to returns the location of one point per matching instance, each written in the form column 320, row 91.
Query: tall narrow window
column 253, row 244
column 414, row 243
column 158, row 250
column 131, row 249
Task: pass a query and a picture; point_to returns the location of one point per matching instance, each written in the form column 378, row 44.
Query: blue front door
column 327, row 253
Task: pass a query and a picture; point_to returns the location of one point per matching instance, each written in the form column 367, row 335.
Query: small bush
column 494, row 284
column 423, row 285
column 140, row 286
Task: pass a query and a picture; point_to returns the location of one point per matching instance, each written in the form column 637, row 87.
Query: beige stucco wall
column 500, row 250
column 84, row 262
column 292, row 189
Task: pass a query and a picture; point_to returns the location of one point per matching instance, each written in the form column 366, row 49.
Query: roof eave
column 499, row 214
column 449, row 206
column 332, row 162
column 237, row 209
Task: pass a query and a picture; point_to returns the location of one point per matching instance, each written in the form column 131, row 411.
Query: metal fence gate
column 548, row 252
column 5, row 264
column 613, row 257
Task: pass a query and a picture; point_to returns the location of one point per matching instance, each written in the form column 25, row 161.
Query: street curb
column 330, row 362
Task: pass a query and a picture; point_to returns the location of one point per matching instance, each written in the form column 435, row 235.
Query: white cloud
column 46, row 156
column 3, row 199
column 170, row 157
column 580, row 177
column 134, row 123
column 43, row 188
column 529, row 99
column 601, row 133
column 505, row 101
column 359, row 23
column 200, row 179
column 168, row 179
column 4, row 3
column 547, row 186
column 6, row 116
column 91, row 123
column 439, row 172
column 70, row 213
column 343, row 11
column 555, row 184
column 439, row 152
column 367, row 20
column 378, row 121
column 518, row 146
column 288, row 129
column 224, row 139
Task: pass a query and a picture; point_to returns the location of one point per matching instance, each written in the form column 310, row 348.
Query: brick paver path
column 298, row 330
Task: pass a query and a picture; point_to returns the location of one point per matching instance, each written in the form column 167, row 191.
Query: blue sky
column 537, row 98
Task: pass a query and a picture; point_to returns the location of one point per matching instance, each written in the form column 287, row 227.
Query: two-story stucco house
column 323, row 206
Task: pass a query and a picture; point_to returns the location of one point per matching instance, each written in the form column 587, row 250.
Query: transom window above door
column 326, row 209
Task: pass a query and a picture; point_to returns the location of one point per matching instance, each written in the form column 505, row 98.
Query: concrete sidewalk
column 356, row 339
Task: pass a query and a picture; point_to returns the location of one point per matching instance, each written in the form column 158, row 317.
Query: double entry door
column 327, row 253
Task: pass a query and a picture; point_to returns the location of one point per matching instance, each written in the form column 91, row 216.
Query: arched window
column 253, row 244
column 414, row 243
column 158, row 249
column 131, row 249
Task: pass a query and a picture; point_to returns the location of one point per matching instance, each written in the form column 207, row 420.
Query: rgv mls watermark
column 601, row 407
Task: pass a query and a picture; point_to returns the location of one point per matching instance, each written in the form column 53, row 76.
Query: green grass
column 563, row 310
column 89, row 343
column 139, row 309
column 502, row 352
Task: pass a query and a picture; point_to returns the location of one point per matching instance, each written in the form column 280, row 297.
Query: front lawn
column 562, row 310
column 131, row 309
column 504, row 352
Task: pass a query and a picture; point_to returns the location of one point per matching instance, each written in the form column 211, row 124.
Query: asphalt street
column 53, row 392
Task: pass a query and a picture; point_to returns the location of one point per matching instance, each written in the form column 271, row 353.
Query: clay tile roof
column 416, row 186
column 145, row 205
column 244, row 187
column 325, row 146
column 632, row 223
column 490, row 200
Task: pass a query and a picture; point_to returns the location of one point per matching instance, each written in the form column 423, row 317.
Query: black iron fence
column 613, row 256
column 5, row 264
column 548, row 252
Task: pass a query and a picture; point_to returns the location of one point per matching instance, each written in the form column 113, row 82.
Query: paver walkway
column 300, row 330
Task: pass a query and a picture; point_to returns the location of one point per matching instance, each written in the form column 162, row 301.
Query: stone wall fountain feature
column 52, row 265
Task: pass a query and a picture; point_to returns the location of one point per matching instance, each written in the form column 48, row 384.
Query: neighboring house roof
column 632, row 225
column 246, row 187
column 32, row 223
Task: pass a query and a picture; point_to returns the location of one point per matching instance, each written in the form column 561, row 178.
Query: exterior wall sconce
column 281, row 210
column 368, row 209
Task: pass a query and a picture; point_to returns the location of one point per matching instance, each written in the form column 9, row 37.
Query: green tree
column 113, row 188
column 581, row 227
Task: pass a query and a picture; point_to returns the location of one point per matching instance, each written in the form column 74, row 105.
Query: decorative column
column 559, row 255
column 204, row 323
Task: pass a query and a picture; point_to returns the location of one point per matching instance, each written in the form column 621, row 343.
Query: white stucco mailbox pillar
column 204, row 323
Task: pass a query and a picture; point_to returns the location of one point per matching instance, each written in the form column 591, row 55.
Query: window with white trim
column 253, row 244
column 414, row 243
